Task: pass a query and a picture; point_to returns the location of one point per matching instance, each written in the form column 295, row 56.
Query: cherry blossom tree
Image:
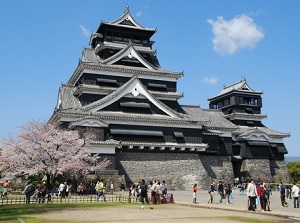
column 41, row 148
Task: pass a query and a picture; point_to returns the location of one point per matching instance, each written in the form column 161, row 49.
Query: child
column 194, row 194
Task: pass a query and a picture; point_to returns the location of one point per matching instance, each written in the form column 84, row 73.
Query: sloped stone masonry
column 182, row 170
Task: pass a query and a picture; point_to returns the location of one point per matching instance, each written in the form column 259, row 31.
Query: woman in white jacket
column 295, row 195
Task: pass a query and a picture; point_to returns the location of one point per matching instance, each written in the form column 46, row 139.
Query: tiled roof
column 215, row 118
column 127, row 16
column 68, row 101
column 244, row 131
column 89, row 56
column 240, row 86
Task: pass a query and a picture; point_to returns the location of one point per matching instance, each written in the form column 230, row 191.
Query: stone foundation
column 181, row 171
column 268, row 170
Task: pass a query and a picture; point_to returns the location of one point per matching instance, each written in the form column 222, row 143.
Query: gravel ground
column 155, row 213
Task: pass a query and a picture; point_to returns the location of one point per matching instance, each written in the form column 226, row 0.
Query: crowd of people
column 149, row 193
column 258, row 193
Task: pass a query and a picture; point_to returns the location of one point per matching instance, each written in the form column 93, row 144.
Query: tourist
column 138, row 191
column 266, row 198
column 282, row 189
column 164, row 188
column 211, row 192
column 144, row 192
column 5, row 189
column 101, row 191
column 260, row 195
column 69, row 190
column 153, row 192
column 28, row 191
column 61, row 191
column 2, row 191
column 252, row 194
column 96, row 189
column 194, row 190
column 288, row 191
column 158, row 192
column 42, row 192
column 35, row 196
column 295, row 194
column 220, row 187
column 80, row 189
column 228, row 192
column 122, row 189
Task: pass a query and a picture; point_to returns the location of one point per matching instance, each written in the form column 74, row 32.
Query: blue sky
column 215, row 43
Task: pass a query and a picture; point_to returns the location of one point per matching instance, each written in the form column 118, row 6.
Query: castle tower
column 252, row 140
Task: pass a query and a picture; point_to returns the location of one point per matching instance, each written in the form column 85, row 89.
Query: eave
column 244, row 116
column 121, row 69
column 95, row 89
column 126, row 117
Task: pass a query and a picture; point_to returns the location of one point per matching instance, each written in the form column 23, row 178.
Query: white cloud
column 210, row 80
column 232, row 35
column 85, row 31
column 139, row 14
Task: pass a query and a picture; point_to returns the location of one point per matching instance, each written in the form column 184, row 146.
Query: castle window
column 118, row 38
column 258, row 143
column 107, row 82
column 137, row 41
column 178, row 134
column 226, row 102
column 135, row 105
column 136, row 132
column 158, row 86
column 249, row 110
column 250, row 122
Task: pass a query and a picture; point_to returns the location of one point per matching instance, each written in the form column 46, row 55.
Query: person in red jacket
column 194, row 190
column 5, row 189
column 260, row 195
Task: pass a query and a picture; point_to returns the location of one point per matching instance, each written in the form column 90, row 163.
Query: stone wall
column 182, row 170
column 267, row 170
column 179, row 170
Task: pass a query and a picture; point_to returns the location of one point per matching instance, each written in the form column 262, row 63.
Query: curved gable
column 129, row 52
column 135, row 88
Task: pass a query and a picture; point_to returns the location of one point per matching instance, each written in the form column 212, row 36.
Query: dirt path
column 166, row 213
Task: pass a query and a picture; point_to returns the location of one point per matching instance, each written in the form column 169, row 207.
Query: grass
column 11, row 212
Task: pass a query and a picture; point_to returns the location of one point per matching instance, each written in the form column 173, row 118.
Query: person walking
column 28, row 191
column 228, row 192
column 5, row 189
column 194, row 190
column 144, row 192
column 295, row 195
column 282, row 189
column 158, row 192
column 266, row 197
column 221, row 191
column 260, row 195
column 211, row 192
column 252, row 193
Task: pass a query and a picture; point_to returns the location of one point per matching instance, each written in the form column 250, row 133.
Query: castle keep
column 120, row 91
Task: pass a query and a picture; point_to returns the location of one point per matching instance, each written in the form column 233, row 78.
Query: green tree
column 294, row 170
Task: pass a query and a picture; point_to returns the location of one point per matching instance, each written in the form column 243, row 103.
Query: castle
column 120, row 91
